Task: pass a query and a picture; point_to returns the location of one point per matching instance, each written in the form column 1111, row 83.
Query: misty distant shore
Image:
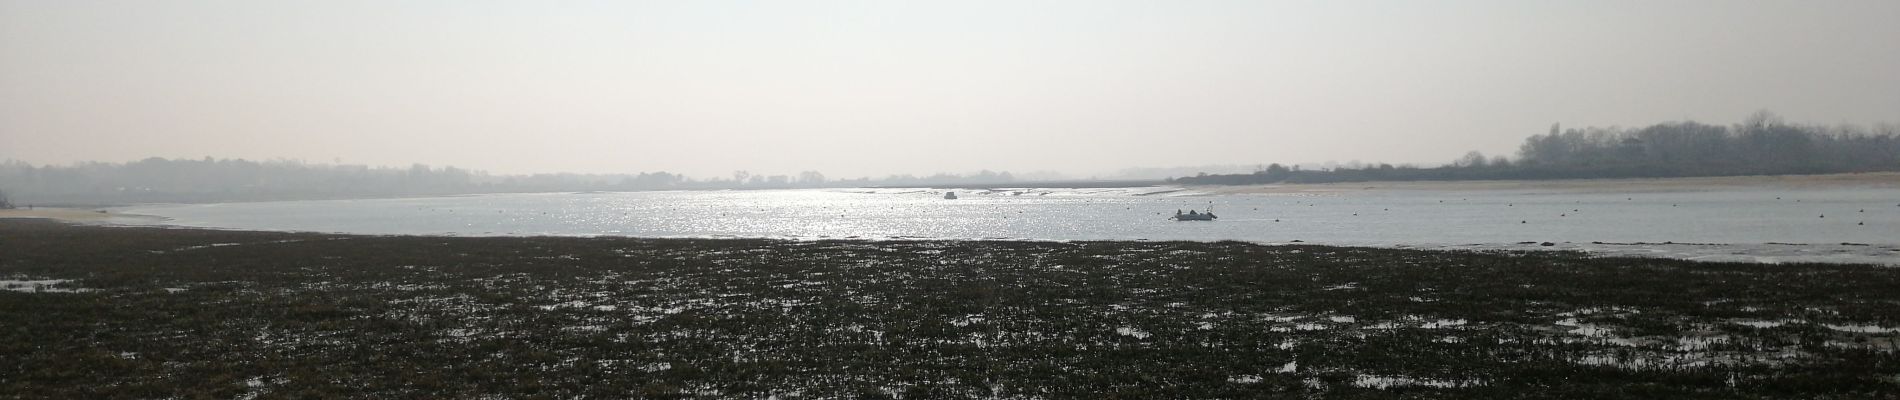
column 1036, row 184
column 1763, row 149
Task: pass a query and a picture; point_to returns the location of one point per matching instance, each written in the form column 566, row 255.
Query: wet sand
column 136, row 312
column 76, row 215
column 62, row 214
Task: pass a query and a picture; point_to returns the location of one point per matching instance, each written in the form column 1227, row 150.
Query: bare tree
column 1473, row 159
column 5, row 203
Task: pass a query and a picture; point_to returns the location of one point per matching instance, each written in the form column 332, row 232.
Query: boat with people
column 1192, row 215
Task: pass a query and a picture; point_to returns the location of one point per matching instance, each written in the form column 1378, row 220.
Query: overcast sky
column 881, row 87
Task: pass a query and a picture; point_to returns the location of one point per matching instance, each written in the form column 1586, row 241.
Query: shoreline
column 1767, row 253
column 1874, row 254
column 56, row 213
column 1630, row 185
column 77, row 215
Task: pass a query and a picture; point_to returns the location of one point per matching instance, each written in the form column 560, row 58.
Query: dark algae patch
column 96, row 312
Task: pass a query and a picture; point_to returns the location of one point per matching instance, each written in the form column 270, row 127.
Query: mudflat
column 95, row 312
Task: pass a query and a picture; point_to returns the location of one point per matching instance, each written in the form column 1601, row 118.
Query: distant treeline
column 160, row 180
column 1762, row 145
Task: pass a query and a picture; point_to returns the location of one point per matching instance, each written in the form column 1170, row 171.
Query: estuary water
column 1748, row 224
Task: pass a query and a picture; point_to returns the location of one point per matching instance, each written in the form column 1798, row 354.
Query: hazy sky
column 879, row 87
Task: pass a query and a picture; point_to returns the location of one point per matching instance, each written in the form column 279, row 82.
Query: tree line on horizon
column 162, row 180
column 1763, row 144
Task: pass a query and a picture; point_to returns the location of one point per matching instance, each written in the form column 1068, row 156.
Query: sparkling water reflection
column 1851, row 225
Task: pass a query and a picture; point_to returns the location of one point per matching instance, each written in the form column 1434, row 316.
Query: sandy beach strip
column 75, row 215
column 1881, row 180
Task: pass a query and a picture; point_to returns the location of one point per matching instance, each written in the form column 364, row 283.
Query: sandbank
column 1882, row 180
column 75, row 215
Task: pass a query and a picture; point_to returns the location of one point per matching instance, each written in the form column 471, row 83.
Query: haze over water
column 1753, row 224
column 855, row 89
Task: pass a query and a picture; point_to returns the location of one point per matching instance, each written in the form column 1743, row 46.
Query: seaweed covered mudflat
column 93, row 312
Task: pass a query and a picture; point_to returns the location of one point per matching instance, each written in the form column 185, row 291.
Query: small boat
column 949, row 195
column 1192, row 215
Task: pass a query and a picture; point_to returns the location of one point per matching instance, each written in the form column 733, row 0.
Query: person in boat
column 1191, row 212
